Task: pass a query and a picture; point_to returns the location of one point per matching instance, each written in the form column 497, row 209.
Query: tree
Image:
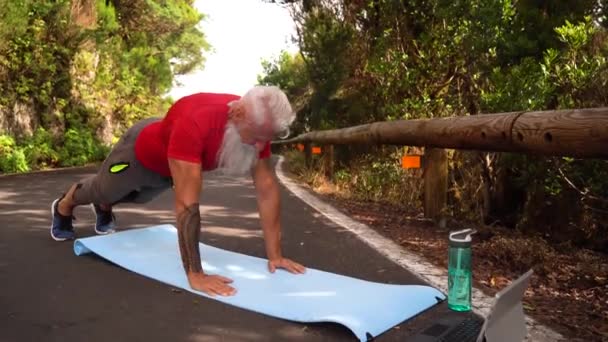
column 87, row 69
column 371, row 60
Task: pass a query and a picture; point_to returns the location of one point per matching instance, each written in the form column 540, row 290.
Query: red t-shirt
column 192, row 130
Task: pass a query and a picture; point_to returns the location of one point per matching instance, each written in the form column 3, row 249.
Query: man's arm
column 187, row 180
column 269, row 207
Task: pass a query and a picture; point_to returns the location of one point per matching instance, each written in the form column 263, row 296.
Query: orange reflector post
column 316, row 150
column 410, row 162
column 300, row 147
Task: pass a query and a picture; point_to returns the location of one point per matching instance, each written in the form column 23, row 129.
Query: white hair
column 234, row 157
column 272, row 101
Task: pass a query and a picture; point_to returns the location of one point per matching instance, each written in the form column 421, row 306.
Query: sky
column 241, row 33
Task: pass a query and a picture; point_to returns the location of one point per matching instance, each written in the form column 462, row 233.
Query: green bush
column 12, row 157
column 97, row 65
column 40, row 150
column 80, row 147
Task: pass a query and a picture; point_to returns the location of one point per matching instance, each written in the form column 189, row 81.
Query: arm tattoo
column 188, row 229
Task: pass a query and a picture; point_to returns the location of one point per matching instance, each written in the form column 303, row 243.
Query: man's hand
column 211, row 284
column 287, row 264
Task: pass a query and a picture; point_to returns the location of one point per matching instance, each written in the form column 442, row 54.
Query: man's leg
column 119, row 178
column 62, row 213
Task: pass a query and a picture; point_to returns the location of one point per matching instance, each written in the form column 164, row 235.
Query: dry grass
column 568, row 292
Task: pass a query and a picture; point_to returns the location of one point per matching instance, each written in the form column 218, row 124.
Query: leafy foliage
column 289, row 73
column 13, row 157
column 364, row 61
column 75, row 74
column 79, row 147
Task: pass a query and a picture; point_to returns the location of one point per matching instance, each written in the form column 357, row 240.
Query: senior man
column 200, row 132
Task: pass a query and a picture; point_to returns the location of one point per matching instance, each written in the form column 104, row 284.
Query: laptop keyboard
column 466, row 331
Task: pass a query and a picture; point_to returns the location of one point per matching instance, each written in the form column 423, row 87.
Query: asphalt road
column 49, row 294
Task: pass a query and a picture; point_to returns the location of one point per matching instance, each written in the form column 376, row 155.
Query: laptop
column 505, row 322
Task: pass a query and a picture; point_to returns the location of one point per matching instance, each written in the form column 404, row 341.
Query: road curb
column 419, row 266
column 50, row 170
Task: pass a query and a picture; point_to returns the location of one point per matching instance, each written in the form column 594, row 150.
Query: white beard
column 234, row 157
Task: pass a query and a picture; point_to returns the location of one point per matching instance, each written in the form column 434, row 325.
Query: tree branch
column 585, row 193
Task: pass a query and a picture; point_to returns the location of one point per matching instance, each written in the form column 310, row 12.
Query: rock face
column 84, row 14
column 17, row 121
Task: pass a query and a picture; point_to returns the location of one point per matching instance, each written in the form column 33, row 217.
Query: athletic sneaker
column 61, row 226
column 105, row 221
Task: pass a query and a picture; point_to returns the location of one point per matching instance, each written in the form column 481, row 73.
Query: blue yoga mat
column 316, row 296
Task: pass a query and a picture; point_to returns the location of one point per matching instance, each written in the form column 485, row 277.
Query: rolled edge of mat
column 80, row 248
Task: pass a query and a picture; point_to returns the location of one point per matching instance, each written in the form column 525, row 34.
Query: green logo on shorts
column 118, row 167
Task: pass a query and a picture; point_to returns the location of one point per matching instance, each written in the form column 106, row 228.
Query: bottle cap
column 461, row 238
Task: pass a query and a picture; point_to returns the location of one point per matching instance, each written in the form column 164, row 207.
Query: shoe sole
column 97, row 231
column 52, row 218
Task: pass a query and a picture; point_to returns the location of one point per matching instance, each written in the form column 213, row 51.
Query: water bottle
column 459, row 270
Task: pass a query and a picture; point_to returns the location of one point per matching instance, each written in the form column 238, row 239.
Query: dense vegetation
column 75, row 74
column 363, row 61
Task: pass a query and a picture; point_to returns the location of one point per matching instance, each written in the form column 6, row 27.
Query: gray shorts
column 121, row 177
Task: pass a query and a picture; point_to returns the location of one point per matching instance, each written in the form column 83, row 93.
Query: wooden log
column 308, row 154
column 578, row 133
column 435, row 182
column 329, row 161
column 583, row 133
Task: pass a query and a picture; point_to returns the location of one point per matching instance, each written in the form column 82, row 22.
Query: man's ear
column 236, row 111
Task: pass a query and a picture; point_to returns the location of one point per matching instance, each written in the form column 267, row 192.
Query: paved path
column 49, row 294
